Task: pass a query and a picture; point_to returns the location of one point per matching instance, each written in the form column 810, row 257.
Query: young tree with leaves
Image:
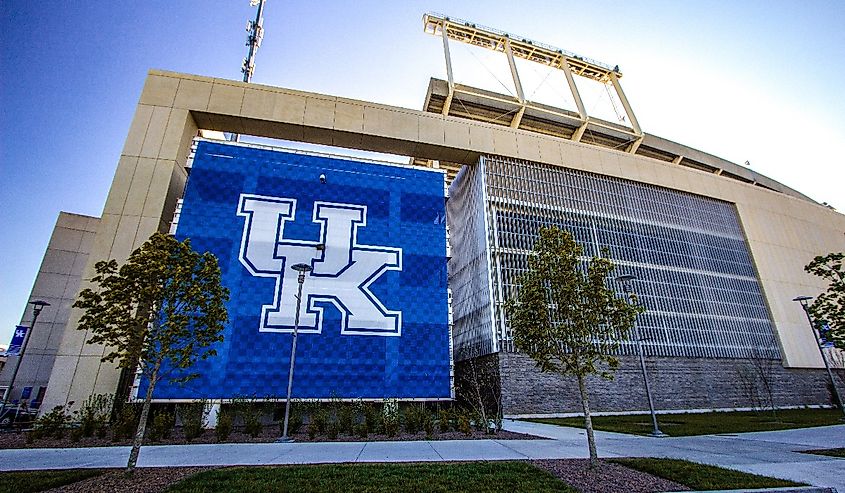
column 830, row 305
column 163, row 310
column 566, row 318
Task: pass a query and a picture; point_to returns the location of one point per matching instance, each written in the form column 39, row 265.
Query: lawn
column 350, row 478
column 707, row 423
column 32, row 481
column 702, row 477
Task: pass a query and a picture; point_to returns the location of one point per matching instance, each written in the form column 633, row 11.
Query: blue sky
column 755, row 81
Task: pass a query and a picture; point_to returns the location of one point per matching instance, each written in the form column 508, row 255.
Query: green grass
column 353, row 478
column 678, row 425
column 830, row 452
column 32, row 481
column 702, row 477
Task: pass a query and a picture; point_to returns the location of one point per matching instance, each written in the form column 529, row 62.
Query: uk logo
column 343, row 269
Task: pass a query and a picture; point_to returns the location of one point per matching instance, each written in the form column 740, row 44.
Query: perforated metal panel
column 696, row 277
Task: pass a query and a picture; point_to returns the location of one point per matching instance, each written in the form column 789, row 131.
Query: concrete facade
column 58, row 284
column 784, row 232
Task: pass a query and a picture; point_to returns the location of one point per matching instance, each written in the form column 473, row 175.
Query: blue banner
column 17, row 340
column 374, row 315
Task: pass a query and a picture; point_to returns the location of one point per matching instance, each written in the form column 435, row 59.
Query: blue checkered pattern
column 405, row 209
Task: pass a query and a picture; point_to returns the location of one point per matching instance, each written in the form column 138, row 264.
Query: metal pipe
column 803, row 300
column 302, row 269
column 655, row 432
column 37, row 306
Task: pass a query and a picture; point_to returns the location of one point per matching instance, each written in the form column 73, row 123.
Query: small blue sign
column 26, row 394
column 17, row 340
column 824, row 332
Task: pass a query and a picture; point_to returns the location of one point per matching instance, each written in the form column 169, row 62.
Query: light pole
column 302, row 269
column 655, row 432
column 37, row 306
column 803, row 300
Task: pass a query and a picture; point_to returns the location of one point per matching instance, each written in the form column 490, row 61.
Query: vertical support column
column 520, row 94
column 448, row 103
column 579, row 103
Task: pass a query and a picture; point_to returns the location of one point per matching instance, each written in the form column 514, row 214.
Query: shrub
column 320, row 420
column 53, row 423
column 252, row 425
column 294, row 420
column 102, row 429
column 444, row 420
column 464, row 425
column 390, row 418
column 224, row 425
column 162, row 425
column 372, row 419
column 346, row 419
column 126, row 422
column 94, row 414
column 361, row 430
column 415, row 418
column 75, row 434
column 428, row 425
column 250, row 412
column 193, row 419
column 332, row 429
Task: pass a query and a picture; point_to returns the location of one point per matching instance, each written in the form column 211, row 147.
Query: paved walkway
column 767, row 453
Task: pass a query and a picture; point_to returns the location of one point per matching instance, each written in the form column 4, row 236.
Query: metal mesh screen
column 469, row 273
column 696, row 277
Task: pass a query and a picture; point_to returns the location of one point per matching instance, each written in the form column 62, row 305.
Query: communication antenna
column 253, row 40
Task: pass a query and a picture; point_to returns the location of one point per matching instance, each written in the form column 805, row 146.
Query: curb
column 787, row 489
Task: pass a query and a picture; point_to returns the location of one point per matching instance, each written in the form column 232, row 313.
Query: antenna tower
column 253, row 40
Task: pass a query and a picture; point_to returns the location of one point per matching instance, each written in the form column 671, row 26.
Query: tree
column 830, row 305
column 163, row 310
column 566, row 318
column 477, row 382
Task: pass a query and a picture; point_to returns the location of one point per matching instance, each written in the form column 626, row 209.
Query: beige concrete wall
column 57, row 283
column 783, row 232
column 149, row 178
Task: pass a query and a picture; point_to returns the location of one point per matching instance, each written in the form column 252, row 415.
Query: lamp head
column 301, row 268
column 802, row 299
column 38, row 305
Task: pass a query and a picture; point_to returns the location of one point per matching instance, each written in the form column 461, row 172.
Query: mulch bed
column 146, row 480
column 17, row 440
column 607, row 477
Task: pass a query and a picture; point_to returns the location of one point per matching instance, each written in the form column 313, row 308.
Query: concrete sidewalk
column 769, row 453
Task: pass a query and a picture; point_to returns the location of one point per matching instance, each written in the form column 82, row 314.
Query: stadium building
column 718, row 249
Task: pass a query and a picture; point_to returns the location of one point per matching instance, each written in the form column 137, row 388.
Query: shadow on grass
column 830, row 452
column 32, row 481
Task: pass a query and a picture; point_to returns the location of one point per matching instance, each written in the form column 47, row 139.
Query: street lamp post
column 655, row 432
column 37, row 306
column 803, row 300
column 302, row 269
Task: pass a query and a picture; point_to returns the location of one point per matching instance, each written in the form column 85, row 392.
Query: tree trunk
column 142, row 423
column 588, row 422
